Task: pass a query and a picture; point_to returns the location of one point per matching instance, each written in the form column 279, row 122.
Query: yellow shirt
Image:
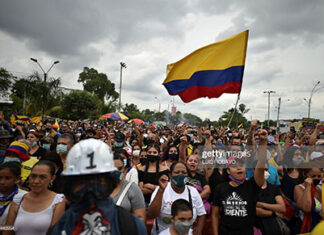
column 26, row 167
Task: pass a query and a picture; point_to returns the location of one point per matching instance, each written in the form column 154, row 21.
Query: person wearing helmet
column 90, row 177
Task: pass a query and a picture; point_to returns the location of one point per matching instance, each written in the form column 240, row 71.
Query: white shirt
column 132, row 176
column 16, row 200
column 169, row 196
column 167, row 232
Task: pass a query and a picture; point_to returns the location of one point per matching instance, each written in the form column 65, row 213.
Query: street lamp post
column 159, row 103
column 309, row 101
column 269, row 93
column 122, row 65
column 44, row 83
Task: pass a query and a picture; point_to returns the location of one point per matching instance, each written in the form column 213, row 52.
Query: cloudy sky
column 285, row 49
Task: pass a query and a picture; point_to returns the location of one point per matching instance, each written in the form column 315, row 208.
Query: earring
column 50, row 185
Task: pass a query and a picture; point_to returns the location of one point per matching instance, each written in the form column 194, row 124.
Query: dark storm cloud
column 67, row 27
column 278, row 23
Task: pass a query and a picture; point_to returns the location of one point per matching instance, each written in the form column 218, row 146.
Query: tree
column 243, row 110
column 5, row 81
column 81, row 105
column 238, row 119
column 132, row 111
column 37, row 94
column 98, row 83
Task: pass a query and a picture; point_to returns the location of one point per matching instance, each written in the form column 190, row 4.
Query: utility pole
column 309, row 101
column 278, row 124
column 122, row 65
column 44, row 82
column 269, row 93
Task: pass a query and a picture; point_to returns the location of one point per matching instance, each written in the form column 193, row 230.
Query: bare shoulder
column 163, row 167
column 141, row 168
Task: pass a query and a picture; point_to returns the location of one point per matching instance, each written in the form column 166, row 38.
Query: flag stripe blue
column 207, row 78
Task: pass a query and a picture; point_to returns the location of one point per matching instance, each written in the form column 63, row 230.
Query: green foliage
column 132, row 111
column 238, row 117
column 98, row 83
column 5, row 81
column 81, row 105
column 36, row 94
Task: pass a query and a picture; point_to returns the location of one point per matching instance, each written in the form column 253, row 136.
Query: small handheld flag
column 209, row 71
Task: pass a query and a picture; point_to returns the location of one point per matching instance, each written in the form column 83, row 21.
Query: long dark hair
column 48, row 163
column 157, row 162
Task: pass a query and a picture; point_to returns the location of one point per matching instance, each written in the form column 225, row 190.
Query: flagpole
column 238, row 98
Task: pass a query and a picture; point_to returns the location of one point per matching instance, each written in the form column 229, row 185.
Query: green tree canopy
column 36, row 94
column 238, row 117
column 5, row 81
column 81, row 105
column 98, row 83
column 132, row 111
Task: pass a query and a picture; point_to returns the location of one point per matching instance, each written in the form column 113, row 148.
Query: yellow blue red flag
column 209, row 71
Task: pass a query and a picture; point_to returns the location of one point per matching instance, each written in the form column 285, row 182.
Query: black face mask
column 143, row 161
column 152, row 158
column 174, row 156
column 48, row 129
column 316, row 182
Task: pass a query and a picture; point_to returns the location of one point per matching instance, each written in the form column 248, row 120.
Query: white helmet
column 89, row 156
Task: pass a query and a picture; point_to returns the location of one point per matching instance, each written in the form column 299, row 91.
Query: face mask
column 316, row 182
column 118, row 144
column 78, row 134
column 190, row 135
column 143, row 161
column 230, row 134
column 266, row 175
column 125, row 162
column 48, row 129
column 179, row 181
column 239, row 182
column 174, row 156
column 61, row 148
column 136, row 153
column 182, row 227
column 11, row 159
column 34, row 143
column 152, row 158
column 297, row 161
column 46, row 146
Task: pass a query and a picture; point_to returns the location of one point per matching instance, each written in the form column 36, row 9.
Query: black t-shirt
column 268, row 225
column 150, row 178
column 215, row 179
column 238, row 207
column 40, row 152
column 288, row 185
column 198, row 179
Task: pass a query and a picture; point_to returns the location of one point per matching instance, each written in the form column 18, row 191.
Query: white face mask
column 136, row 153
column 266, row 175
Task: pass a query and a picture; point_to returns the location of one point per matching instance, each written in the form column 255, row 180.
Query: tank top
column 35, row 223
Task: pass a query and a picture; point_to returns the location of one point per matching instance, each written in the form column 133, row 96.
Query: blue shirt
column 273, row 178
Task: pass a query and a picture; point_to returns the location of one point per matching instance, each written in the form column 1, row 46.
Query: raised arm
column 261, row 155
column 155, row 206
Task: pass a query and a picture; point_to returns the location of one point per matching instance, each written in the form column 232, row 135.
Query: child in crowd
column 181, row 219
column 9, row 191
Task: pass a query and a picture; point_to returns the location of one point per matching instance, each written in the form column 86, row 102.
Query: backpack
column 126, row 222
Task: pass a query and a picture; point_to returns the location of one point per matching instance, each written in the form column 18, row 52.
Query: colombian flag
column 209, row 71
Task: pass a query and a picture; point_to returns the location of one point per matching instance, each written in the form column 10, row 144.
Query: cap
column 20, row 148
column 4, row 134
column 119, row 137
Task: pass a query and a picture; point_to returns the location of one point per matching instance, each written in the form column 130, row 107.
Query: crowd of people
column 75, row 177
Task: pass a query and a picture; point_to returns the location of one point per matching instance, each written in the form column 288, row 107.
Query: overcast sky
column 285, row 49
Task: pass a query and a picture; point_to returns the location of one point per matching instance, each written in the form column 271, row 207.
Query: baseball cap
column 119, row 137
